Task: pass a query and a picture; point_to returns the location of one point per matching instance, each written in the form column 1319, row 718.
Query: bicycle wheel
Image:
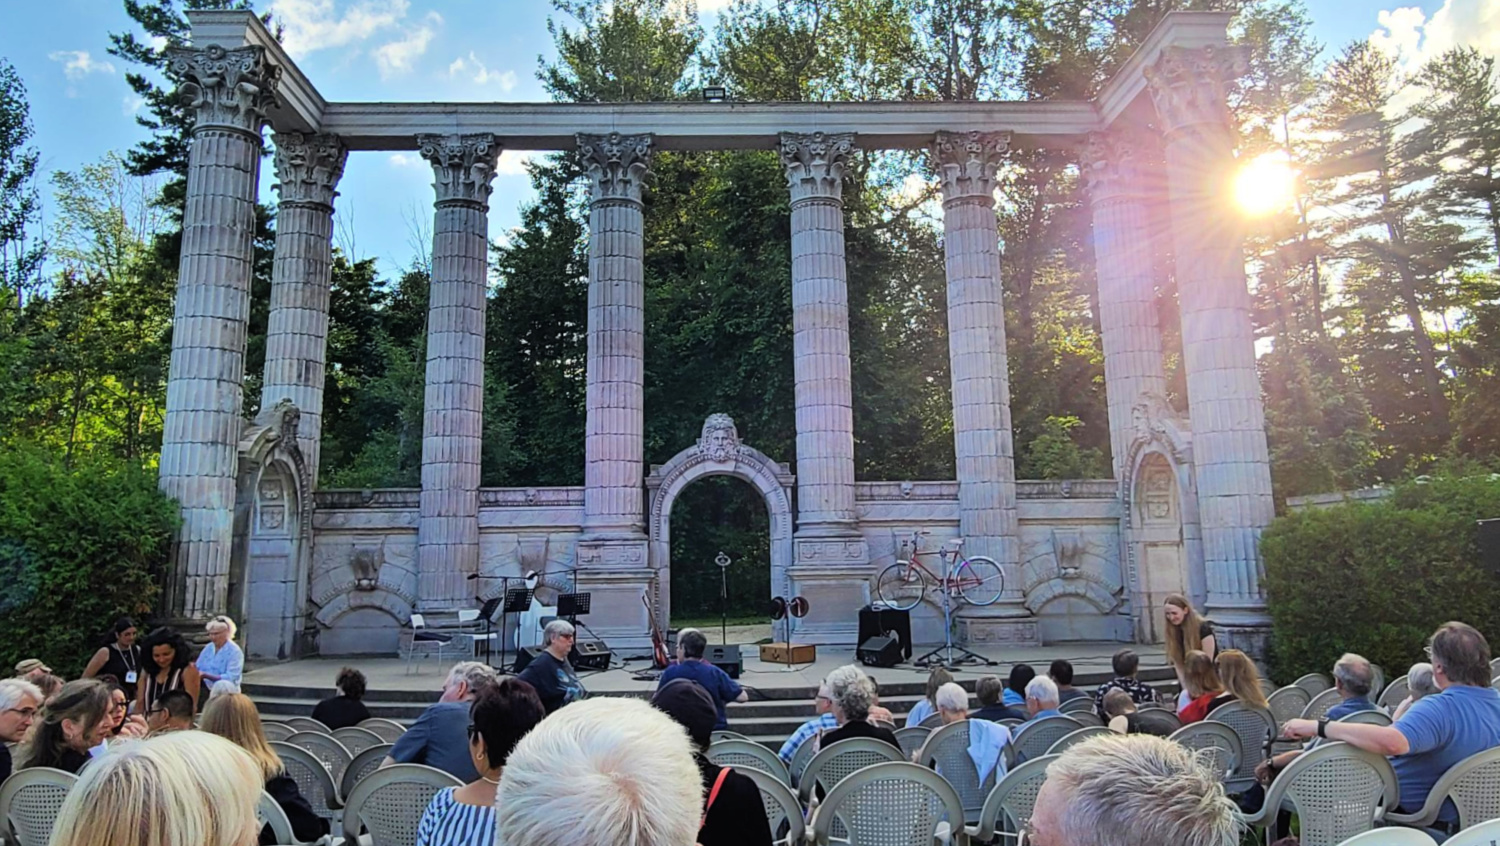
column 980, row 581
column 901, row 586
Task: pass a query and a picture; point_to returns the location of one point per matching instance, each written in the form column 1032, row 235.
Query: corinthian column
column 453, row 410
column 227, row 93
column 1229, row 439
column 308, row 168
column 982, row 439
column 1112, row 164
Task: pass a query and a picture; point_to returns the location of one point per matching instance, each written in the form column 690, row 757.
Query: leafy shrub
column 80, row 545
column 1376, row 579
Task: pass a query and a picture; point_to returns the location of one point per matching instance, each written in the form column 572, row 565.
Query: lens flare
column 1265, row 185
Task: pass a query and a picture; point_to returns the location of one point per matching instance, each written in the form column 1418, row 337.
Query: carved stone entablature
column 832, row 551
column 308, row 167
column 225, row 89
column 272, row 436
column 815, row 164
column 530, row 497
column 607, row 554
column 619, row 166
column 1115, row 163
column 967, row 162
column 1189, row 86
column 366, row 566
column 905, row 491
column 369, row 498
column 463, row 166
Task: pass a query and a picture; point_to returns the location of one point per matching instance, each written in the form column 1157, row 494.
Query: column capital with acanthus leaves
column 967, row 163
column 308, row 167
column 815, row 164
column 1189, row 86
column 463, row 166
column 223, row 88
column 618, row 165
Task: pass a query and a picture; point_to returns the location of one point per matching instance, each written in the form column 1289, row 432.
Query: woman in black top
column 169, row 666
column 733, row 813
column 120, row 656
column 234, row 717
column 68, row 726
column 853, row 693
column 347, row 708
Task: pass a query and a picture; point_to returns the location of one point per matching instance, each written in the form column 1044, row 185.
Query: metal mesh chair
column 1288, row 703
column 782, row 809
column 912, row 738
column 1495, row 682
column 269, row 813
column 1314, row 683
column 1369, row 718
column 277, row 731
column 947, row 750
column 363, row 764
column 389, row 730
column 1474, row 786
column 1495, row 666
column 1484, row 834
column 1394, row 694
column 1036, row 737
column 890, row 804
column 1216, row 743
column 313, row 779
column 1336, row 790
column 833, row 764
column 1391, row 837
column 1088, row 718
column 1077, row 705
column 356, row 739
column 334, row 755
column 1010, row 804
column 747, row 755
column 1158, row 720
column 1318, row 706
column 932, row 721
column 1074, row 737
column 800, row 758
column 30, row 800
column 717, row 736
column 307, row 724
column 389, row 802
column 1256, row 728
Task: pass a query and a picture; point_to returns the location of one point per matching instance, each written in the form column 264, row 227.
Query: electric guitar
column 659, row 658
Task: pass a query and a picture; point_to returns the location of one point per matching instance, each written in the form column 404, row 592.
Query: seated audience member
column 222, row 687
column 348, row 707
column 1126, row 664
column 1015, row 686
column 1041, row 698
column 1061, row 672
column 1134, row 790
column 1436, row 732
column 19, row 702
column 550, row 672
column 221, row 659
column 235, row 718
column 986, row 739
column 71, row 724
column 31, row 669
column 989, row 690
column 1123, row 717
column 1419, row 683
column 1240, row 678
column 927, row 706
column 182, row 789
column 822, row 707
column 853, row 693
column 1205, row 691
column 500, row 716
column 601, row 772
column 879, row 714
column 1352, row 678
column 173, row 712
column 733, row 812
column 440, row 736
column 47, row 683
column 169, row 666
column 690, row 665
column 119, row 705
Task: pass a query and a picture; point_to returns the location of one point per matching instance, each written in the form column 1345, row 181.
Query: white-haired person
column 550, row 672
column 222, row 659
column 440, row 736
column 853, row 695
column 986, row 739
column 602, row 772
column 1042, row 698
column 927, row 705
column 19, row 702
column 1132, row 790
column 187, row 788
column 1419, row 683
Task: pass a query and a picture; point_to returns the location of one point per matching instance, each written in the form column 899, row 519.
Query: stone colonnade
column 230, row 93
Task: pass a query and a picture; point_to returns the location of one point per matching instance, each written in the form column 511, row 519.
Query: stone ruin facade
column 339, row 571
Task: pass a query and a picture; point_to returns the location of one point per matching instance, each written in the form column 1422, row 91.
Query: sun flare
column 1265, row 185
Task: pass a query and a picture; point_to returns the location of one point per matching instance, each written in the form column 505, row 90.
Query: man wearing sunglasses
column 19, row 701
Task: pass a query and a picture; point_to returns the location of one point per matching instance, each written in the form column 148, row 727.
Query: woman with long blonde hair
column 1202, row 686
column 1186, row 631
column 1240, row 677
column 233, row 716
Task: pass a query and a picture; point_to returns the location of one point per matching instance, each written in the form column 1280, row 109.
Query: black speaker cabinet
column 880, row 651
column 589, row 655
column 726, row 658
column 524, row 656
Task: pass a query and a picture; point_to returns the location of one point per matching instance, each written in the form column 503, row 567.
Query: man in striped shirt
column 824, row 721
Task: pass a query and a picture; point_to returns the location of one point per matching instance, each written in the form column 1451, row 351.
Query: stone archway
column 718, row 452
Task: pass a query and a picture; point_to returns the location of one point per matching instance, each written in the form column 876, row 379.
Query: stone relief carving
column 967, row 162
column 308, row 167
column 815, row 163
column 462, row 165
column 366, row 567
column 720, row 440
column 1068, row 547
column 1158, row 491
column 226, row 89
column 618, row 165
column 1189, row 85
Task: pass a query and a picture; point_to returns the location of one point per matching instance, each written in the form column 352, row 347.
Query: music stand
column 574, row 605
column 512, row 601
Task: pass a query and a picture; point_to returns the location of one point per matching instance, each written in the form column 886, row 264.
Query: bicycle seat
column 956, row 542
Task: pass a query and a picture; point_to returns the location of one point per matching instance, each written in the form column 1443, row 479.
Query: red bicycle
column 978, row 580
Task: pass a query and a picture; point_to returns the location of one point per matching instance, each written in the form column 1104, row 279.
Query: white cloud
column 130, row 104
column 78, row 64
column 319, row 24
column 512, row 163
column 1413, row 38
column 476, row 70
column 404, row 160
column 399, row 56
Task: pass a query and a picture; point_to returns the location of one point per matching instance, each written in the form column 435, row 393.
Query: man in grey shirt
column 440, row 737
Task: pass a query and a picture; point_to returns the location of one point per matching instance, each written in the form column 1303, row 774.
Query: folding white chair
column 424, row 638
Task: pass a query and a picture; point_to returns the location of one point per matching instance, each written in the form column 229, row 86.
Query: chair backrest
column 932, row 721
column 833, row 763
column 717, row 736
column 389, row 802
column 947, row 750
column 30, row 800
column 356, row 739
column 1216, row 743
column 1369, row 718
column 747, row 755
column 1078, row 704
column 1495, row 682
column 1158, row 721
column 363, row 764
column 1036, row 737
column 389, row 730
column 277, row 731
column 885, row 804
column 269, row 813
column 912, row 738
column 418, row 621
column 1088, row 718
column 1287, row 703
column 782, row 807
column 1012, row 723
column 1318, row 706
column 1337, row 791
column 800, row 758
column 1256, row 728
column 1391, row 836
column 1009, row 805
column 307, row 724
column 1314, row 683
column 468, row 615
column 1495, row 666
column 1484, row 834
column 314, row 781
column 334, row 755
column 1474, row 786
column 1074, row 737
column 1394, row 694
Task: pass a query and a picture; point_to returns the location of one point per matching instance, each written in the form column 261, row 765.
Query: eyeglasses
column 25, row 713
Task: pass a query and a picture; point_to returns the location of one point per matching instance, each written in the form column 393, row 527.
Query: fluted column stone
column 227, row 93
column 308, row 168
column 1232, row 465
column 453, row 410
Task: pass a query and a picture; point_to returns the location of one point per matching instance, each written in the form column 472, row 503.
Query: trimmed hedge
column 1376, row 579
column 80, row 545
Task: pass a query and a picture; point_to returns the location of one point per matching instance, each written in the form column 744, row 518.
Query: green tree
column 21, row 254
column 1460, row 137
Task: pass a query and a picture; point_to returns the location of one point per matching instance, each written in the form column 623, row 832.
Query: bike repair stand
column 943, row 655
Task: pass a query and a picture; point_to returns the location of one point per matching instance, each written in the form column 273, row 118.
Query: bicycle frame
column 955, row 581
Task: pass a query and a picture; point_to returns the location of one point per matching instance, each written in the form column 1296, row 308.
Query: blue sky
column 458, row 50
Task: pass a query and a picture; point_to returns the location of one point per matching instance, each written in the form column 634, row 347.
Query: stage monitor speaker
column 880, row 651
column 524, row 656
column 1489, row 546
column 589, row 655
column 726, row 658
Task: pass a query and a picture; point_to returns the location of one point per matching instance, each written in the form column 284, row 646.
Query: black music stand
column 515, row 601
column 574, row 605
column 487, row 612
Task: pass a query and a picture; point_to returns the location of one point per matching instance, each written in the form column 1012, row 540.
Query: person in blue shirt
column 690, row 665
column 927, row 705
column 1015, row 687
column 440, row 736
column 222, row 659
column 1042, row 698
column 1438, row 731
column 824, row 721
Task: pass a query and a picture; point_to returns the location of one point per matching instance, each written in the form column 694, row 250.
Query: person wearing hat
column 733, row 813
column 31, row 668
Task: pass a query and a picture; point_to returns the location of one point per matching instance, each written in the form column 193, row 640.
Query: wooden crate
column 783, row 653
